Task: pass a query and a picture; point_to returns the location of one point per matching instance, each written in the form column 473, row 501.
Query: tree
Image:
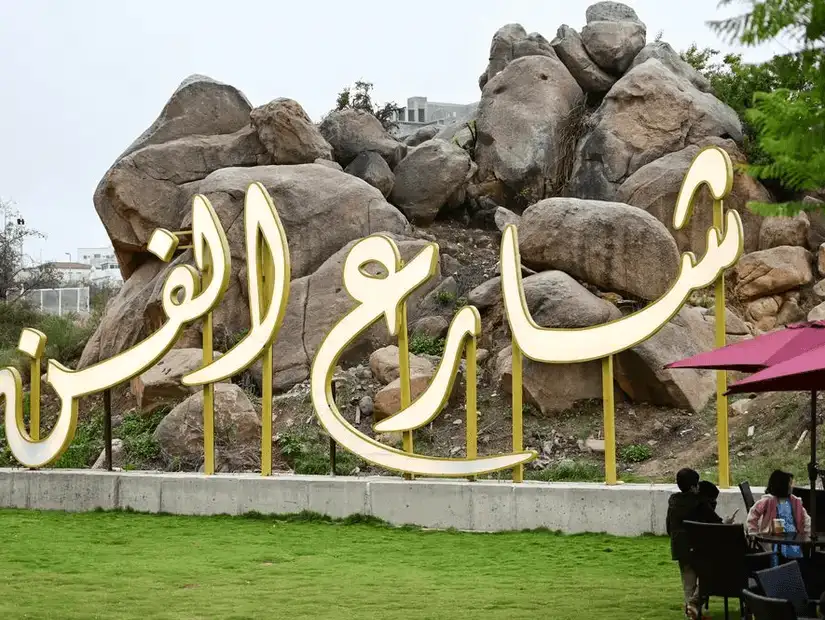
column 788, row 121
column 16, row 277
column 359, row 97
column 735, row 83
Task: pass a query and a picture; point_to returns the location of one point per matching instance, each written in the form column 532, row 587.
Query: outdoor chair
column 721, row 560
column 805, row 496
column 764, row 608
column 747, row 495
column 785, row 581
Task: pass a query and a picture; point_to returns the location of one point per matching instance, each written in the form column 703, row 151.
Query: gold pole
column 404, row 374
column 34, row 400
column 268, row 276
column 208, row 392
column 518, row 430
column 721, row 375
column 609, row 408
column 472, row 413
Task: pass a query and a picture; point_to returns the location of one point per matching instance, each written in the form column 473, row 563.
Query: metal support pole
column 34, row 400
column 721, row 375
column 518, row 404
column 404, row 373
column 107, row 427
column 332, row 447
column 609, row 408
column 208, row 391
column 471, row 401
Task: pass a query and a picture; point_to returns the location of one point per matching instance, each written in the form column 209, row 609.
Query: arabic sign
column 192, row 293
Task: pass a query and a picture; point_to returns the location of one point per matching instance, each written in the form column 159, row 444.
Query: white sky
column 82, row 79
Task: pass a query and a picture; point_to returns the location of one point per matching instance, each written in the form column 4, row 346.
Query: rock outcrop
column 607, row 244
column 523, row 113
column 648, row 113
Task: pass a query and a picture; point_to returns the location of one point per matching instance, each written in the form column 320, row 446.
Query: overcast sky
column 80, row 80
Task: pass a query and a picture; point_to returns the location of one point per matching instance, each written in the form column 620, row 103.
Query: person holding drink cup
column 780, row 512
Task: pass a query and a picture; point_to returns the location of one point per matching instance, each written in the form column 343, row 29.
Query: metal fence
column 59, row 301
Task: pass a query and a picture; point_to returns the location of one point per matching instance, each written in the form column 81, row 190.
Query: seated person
column 779, row 503
column 710, row 493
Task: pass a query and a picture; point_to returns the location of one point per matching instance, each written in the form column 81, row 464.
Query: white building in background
column 96, row 256
column 103, row 263
column 420, row 112
column 72, row 274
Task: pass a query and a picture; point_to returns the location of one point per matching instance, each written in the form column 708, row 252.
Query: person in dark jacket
column 687, row 505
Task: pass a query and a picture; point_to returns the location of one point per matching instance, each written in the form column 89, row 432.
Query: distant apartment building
column 420, row 112
column 72, row 274
column 103, row 264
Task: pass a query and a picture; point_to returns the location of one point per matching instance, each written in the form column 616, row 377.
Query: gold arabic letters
column 183, row 302
column 190, row 294
column 382, row 296
column 553, row 345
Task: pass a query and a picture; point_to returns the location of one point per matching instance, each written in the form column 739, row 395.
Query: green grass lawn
column 121, row 565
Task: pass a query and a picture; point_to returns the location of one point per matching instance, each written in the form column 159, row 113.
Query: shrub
column 427, row 345
column 635, row 453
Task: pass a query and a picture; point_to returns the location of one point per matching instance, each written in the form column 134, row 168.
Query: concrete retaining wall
column 487, row 506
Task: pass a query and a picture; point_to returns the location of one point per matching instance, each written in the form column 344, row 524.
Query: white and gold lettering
column 382, row 296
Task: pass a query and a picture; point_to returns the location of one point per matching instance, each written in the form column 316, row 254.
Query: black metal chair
column 785, row 581
column 805, row 496
column 765, row 608
column 747, row 495
column 721, row 560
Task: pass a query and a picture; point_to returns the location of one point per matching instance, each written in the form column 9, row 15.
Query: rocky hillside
column 583, row 140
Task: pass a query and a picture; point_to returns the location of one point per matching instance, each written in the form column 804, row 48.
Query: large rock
column 523, row 114
column 432, row 176
column 388, row 399
column 422, row 135
column 200, row 106
column 570, row 50
column 351, row 132
column 551, row 388
column 648, row 113
column 288, row 133
column 608, row 11
column 642, row 375
column 237, row 431
column 778, row 231
column 614, row 44
column 458, row 133
column 372, row 168
column 150, row 188
column 609, row 245
column 772, row 311
column 510, row 42
column 161, row 384
column 317, row 302
column 670, row 58
column 773, row 271
column 655, row 188
column 556, row 300
column 385, row 365
column 322, row 210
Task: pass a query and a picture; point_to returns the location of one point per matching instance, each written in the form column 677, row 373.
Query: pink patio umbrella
column 761, row 352
column 790, row 359
column 803, row 373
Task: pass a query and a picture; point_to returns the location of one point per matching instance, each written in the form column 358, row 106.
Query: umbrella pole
column 812, row 466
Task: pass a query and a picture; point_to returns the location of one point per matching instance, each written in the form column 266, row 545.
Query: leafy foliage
column 789, row 119
column 359, row 97
column 421, row 344
column 736, row 83
column 635, row 453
